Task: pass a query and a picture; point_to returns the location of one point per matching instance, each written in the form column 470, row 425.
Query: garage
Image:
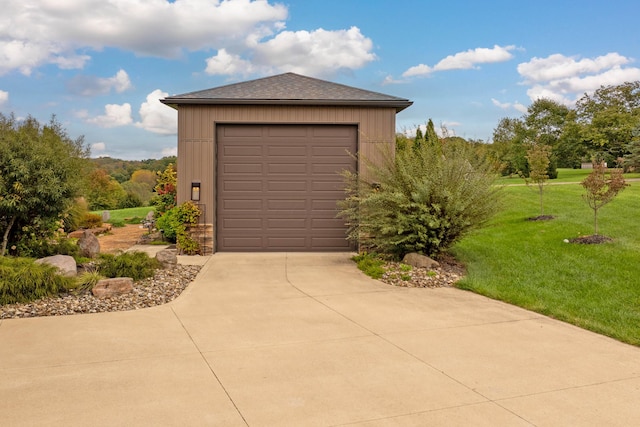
column 262, row 159
column 278, row 186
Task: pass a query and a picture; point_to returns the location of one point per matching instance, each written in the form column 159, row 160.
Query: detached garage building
column 263, row 158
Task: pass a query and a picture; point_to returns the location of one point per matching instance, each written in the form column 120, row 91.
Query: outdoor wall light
column 195, row 191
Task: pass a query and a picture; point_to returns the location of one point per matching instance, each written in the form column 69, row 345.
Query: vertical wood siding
column 197, row 145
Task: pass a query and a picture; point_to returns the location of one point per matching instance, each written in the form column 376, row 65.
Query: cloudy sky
column 101, row 65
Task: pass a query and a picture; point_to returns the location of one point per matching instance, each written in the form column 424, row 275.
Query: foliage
column 600, row 190
column 72, row 218
column 137, row 265
column 22, row 280
column 420, row 200
column 41, row 170
column 609, row 117
column 103, row 192
column 370, row 264
column 86, row 281
column 166, row 190
column 175, row 225
column 91, row 220
column 538, row 158
column 509, row 146
column 527, row 263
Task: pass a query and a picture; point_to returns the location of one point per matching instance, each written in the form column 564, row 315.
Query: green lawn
column 564, row 175
column 528, row 263
column 130, row 215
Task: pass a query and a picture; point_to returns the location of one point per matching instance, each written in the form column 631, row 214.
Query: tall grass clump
column 137, row 265
column 423, row 199
column 22, row 280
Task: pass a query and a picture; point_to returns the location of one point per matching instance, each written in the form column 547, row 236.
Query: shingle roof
column 288, row 89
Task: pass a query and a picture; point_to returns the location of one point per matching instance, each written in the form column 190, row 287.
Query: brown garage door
column 278, row 186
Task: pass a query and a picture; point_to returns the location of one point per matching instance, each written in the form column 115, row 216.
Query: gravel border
column 164, row 286
column 445, row 275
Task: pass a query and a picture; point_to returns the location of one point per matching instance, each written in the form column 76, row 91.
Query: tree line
column 602, row 127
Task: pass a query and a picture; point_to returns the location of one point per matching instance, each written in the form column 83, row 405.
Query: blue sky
column 101, row 65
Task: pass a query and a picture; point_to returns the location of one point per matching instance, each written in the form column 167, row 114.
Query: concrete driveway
column 307, row 340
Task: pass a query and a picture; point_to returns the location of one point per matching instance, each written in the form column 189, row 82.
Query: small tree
column 41, row 171
column 538, row 158
column 600, row 189
column 166, row 190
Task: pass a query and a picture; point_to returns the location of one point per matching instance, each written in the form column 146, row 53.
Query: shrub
column 86, row 281
column 137, row 265
column 22, row 280
column 422, row 200
column 91, row 220
column 175, row 224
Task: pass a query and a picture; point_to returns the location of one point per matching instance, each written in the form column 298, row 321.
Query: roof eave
column 399, row 104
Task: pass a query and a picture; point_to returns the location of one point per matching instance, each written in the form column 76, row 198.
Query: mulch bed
column 591, row 240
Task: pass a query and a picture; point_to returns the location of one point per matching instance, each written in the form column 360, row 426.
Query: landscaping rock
column 89, row 245
column 65, row 263
column 106, row 288
column 168, row 258
column 150, row 216
column 419, row 261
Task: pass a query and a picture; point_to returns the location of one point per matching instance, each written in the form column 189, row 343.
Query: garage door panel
column 287, row 223
column 232, row 185
column 287, row 131
column 243, row 168
column 286, row 243
column 284, row 205
column 243, row 223
column 291, row 203
column 287, row 151
column 287, row 168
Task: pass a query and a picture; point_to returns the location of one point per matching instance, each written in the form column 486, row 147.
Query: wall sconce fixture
column 195, row 191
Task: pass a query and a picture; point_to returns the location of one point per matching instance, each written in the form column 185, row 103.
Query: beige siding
column 196, row 134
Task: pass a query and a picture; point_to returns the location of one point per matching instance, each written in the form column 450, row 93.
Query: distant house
column 262, row 158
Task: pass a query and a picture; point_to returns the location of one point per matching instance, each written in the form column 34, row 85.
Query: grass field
column 564, row 175
column 131, row 215
column 528, row 263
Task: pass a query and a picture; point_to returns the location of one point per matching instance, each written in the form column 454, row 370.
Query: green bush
column 90, row 220
column 420, row 200
column 175, row 224
column 22, row 280
column 137, row 265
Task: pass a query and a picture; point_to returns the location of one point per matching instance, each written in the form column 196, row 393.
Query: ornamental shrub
column 420, row 200
column 137, row 265
column 22, row 280
column 175, row 224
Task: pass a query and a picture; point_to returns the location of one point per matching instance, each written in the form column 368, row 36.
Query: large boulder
column 420, row 261
column 168, row 258
column 106, row 288
column 89, row 245
column 65, row 263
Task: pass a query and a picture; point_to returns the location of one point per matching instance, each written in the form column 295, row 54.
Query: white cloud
column 157, row 117
column 4, row 96
column 115, row 115
column 389, row 80
column 98, row 147
column 90, row 85
column 508, row 105
column 318, row 53
column 39, row 32
column 565, row 79
column 418, row 70
column 170, row 151
column 224, row 63
column 464, row 60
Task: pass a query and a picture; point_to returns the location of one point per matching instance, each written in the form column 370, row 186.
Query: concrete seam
column 210, row 368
